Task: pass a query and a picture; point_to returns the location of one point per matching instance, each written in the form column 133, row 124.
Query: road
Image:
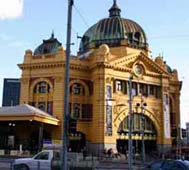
column 118, row 165
column 6, row 163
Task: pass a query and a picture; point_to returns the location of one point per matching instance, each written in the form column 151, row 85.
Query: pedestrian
column 110, row 153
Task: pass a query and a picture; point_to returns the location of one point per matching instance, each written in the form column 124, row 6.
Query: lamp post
column 66, row 90
column 143, row 128
column 142, row 104
column 179, row 141
column 40, row 140
column 130, row 159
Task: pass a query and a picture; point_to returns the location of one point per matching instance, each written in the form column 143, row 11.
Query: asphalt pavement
column 103, row 164
column 6, row 163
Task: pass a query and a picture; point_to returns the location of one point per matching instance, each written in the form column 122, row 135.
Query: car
column 168, row 165
column 45, row 160
column 41, row 160
column 155, row 165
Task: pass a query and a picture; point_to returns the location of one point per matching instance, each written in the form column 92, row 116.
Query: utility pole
column 143, row 128
column 66, row 90
column 130, row 158
column 179, row 141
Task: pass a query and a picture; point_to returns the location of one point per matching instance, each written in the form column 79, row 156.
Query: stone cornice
column 126, row 69
column 51, row 65
column 40, row 65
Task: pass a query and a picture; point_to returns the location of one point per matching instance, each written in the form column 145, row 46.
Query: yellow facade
column 99, row 70
column 99, row 93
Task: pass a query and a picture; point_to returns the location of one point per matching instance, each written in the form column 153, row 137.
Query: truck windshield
column 42, row 155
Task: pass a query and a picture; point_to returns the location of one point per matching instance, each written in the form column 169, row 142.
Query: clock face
column 138, row 70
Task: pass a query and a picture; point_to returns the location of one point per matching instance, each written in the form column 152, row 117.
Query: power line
column 83, row 20
column 82, row 17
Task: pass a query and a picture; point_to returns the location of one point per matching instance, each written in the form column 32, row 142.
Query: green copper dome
column 112, row 31
column 48, row 46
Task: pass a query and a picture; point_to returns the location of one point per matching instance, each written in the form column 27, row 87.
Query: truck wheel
column 24, row 167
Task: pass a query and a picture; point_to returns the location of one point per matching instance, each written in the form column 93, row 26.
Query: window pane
column 86, row 111
column 118, row 85
column 76, row 110
column 43, row 156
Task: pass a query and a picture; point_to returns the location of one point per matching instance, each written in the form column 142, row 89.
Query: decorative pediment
column 140, row 64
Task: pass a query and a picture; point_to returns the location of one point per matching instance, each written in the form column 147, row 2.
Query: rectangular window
column 118, row 85
column 158, row 92
column 86, row 112
column 152, row 90
column 76, row 110
column 143, row 89
column 135, row 88
column 141, row 86
column 124, row 87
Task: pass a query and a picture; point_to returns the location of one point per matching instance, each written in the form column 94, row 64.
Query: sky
column 25, row 23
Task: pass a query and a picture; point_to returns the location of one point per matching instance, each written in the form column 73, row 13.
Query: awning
column 26, row 112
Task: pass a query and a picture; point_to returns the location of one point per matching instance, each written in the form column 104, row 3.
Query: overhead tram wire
column 152, row 37
column 74, row 30
column 83, row 20
column 82, row 17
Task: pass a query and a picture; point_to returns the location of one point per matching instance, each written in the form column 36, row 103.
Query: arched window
column 79, row 107
column 42, row 87
column 41, row 97
column 77, row 89
column 149, row 127
column 137, row 36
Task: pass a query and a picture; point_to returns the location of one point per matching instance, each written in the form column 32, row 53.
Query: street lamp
column 66, row 89
column 142, row 105
column 130, row 161
column 130, row 142
column 179, row 152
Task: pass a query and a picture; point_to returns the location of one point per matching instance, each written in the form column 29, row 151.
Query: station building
column 111, row 51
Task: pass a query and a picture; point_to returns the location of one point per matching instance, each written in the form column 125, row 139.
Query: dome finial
column 52, row 34
column 114, row 10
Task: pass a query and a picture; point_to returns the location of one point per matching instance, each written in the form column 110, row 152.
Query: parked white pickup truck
column 41, row 161
column 50, row 160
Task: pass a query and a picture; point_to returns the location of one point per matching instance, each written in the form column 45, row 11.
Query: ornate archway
column 150, row 134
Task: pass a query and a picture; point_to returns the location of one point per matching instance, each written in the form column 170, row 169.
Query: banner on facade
column 108, row 110
column 166, row 116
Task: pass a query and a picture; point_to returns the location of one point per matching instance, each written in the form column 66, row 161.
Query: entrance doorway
column 122, row 146
column 76, row 141
column 139, row 128
column 8, row 138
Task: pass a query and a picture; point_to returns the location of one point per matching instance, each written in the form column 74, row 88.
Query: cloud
column 10, row 9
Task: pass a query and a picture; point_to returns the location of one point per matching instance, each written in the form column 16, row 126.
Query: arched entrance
column 150, row 134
